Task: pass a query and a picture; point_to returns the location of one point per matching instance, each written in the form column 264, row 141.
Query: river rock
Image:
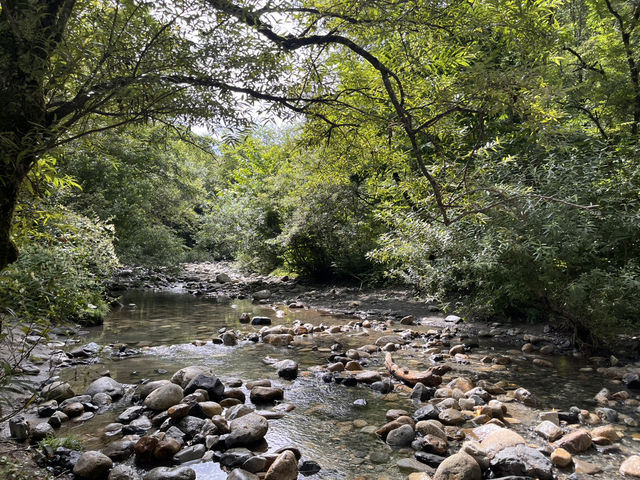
column 426, row 427
column 632, row 380
column 459, row 466
column 285, row 467
column 412, row 465
column 549, row 431
column 74, row 409
column 575, row 442
column 278, row 339
column 119, row 450
column 166, row 473
column 105, row 385
column 242, row 474
column 92, row 465
column 166, row 449
column 144, row 390
column 430, row 459
column 247, row 430
column 428, row 412
column 190, row 425
column 183, row 376
column 144, row 448
column 235, row 457
column 451, row 416
column 499, row 440
column 164, row 397
column 524, row 461
column 188, row 454
column 382, row 341
column 266, row 394
column 525, row 397
column 40, row 431
column 287, row 369
column 57, row 391
column 19, row 428
column 211, row 384
column 607, row 432
column 130, row 414
column 123, row 472
column 561, row 458
column 229, row 339
column 631, row 466
column 401, row 436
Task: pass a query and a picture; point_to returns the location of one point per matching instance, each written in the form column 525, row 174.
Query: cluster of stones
column 191, row 418
column 469, row 419
column 60, row 404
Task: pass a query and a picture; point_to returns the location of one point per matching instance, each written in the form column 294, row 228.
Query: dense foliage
column 484, row 152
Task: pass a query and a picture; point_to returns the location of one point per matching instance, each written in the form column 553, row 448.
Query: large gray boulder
column 460, row 466
column 105, row 385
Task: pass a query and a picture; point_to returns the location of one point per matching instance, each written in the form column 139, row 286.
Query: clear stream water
column 163, row 325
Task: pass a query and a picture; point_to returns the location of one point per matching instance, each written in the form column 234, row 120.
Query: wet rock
column 105, row 385
column 57, row 391
column 384, row 386
column 190, row 426
column 607, row 414
column 413, row 465
column 571, row 417
column 575, row 442
column 278, row 339
column 144, row 448
column 266, row 394
column 130, row 414
column 209, row 383
column 561, row 458
column 260, row 321
column 247, row 430
column 210, row 409
column 46, row 409
column 241, row 474
column 166, row 473
column 73, row 409
column 308, row 467
column 499, row 440
column 238, row 411
column 287, row 369
column 433, row 444
column 92, row 465
column 426, row 427
column 460, row 466
column 631, row 466
column 19, row 428
column 262, row 295
column 144, row 390
column 525, row 397
column 549, row 431
column 123, row 472
column 119, row 450
column 429, row 459
column 606, row 431
column 229, row 339
column 382, row 341
column 166, row 449
column 588, row 468
column 235, row 457
column 632, row 380
column 422, row 393
column 164, row 397
column 255, row 464
column 524, row 461
column 188, row 454
column 183, row 376
column 285, row 467
column 401, row 436
column 428, row 412
column 477, row 452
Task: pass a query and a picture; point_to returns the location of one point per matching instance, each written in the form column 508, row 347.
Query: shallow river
column 163, row 325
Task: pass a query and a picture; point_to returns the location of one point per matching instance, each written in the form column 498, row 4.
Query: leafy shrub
column 61, row 270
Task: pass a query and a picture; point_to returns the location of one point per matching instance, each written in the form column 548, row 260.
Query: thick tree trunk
column 9, row 186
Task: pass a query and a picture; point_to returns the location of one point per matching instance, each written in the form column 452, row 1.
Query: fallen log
column 428, row 378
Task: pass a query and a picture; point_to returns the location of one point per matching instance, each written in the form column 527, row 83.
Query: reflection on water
column 165, row 324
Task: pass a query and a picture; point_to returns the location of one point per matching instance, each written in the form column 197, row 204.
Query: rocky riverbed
column 285, row 391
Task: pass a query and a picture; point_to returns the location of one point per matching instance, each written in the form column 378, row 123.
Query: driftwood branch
column 428, row 377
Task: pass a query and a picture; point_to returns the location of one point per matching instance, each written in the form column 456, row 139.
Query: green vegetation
column 484, row 152
column 72, row 442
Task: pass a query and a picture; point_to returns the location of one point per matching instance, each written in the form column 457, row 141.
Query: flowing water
column 164, row 325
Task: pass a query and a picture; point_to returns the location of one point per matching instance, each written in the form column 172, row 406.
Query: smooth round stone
column 105, row 385
column 285, row 467
column 164, row 397
column 631, row 466
column 211, row 408
column 412, row 465
column 561, row 458
column 401, row 436
column 92, row 465
column 166, row 473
